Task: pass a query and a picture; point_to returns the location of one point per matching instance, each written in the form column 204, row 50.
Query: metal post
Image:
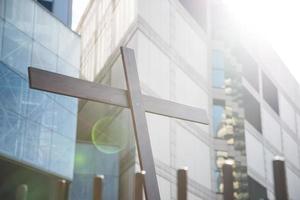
column 228, row 181
column 139, row 184
column 280, row 185
column 22, row 192
column 98, row 187
column 62, row 190
column 182, row 182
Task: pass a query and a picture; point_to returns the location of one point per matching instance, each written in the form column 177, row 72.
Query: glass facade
column 37, row 128
column 228, row 125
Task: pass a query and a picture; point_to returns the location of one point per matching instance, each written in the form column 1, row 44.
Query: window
column 270, row 93
column 47, row 4
column 256, row 190
column 218, row 69
column 218, row 116
column 252, row 110
column 249, row 66
column 197, row 9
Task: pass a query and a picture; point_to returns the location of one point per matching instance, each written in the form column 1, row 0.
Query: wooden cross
column 131, row 98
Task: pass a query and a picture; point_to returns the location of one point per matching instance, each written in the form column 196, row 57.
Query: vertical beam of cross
column 135, row 99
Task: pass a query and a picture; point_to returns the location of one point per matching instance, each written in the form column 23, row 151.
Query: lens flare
column 109, row 135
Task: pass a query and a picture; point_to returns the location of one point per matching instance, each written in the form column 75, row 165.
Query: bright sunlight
column 277, row 21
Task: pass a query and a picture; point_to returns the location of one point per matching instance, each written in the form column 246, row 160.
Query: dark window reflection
column 47, row 4
column 270, row 93
column 252, row 110
column 249, row 66
column 256, row 190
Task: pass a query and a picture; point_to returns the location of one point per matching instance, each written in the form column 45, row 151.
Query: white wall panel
column 293, row 182
column 189, row 45
column 269, row 156
column 193, row 197
column 298, row 125
column 290, row 149
column 188, row 92
column 287, row 112
column 194, row 154
column 153, row 67
column 164, row 187
column 271, row 130
column 157, row 14
column 255, row 154
column 271, row 195
column 159, row 130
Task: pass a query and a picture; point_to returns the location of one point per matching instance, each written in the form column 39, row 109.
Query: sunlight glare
column 276, row 21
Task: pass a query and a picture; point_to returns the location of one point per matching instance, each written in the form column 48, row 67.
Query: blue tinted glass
column 65, row 122
column 1, row 30
column 11, row 127
column 20, row 13
column 82, row 185
column 10, row 90
column 218, row 111
column 43, row 58
column 2, row 9
column 28, row 119
column 16, row 50
column 30, row 146
column 39, row 108
column 67, row 69
column 218, row 59
column 62, row 155
column 90, row 161
column 218, row 78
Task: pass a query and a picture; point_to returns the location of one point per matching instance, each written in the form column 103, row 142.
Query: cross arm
column 69, row 86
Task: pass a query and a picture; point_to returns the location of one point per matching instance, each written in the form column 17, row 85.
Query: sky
column 277, row 21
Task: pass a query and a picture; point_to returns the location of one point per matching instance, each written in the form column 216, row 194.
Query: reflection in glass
column 46, row 29
column 228, row 125
column 15, row 14
column 17, row 47
column 36, row 127
column 218, row 78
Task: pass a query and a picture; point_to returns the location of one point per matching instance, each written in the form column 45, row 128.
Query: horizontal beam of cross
column 65, row 85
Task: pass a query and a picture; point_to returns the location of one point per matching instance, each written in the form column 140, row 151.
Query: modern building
column 38, row 129
column 187, row 51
